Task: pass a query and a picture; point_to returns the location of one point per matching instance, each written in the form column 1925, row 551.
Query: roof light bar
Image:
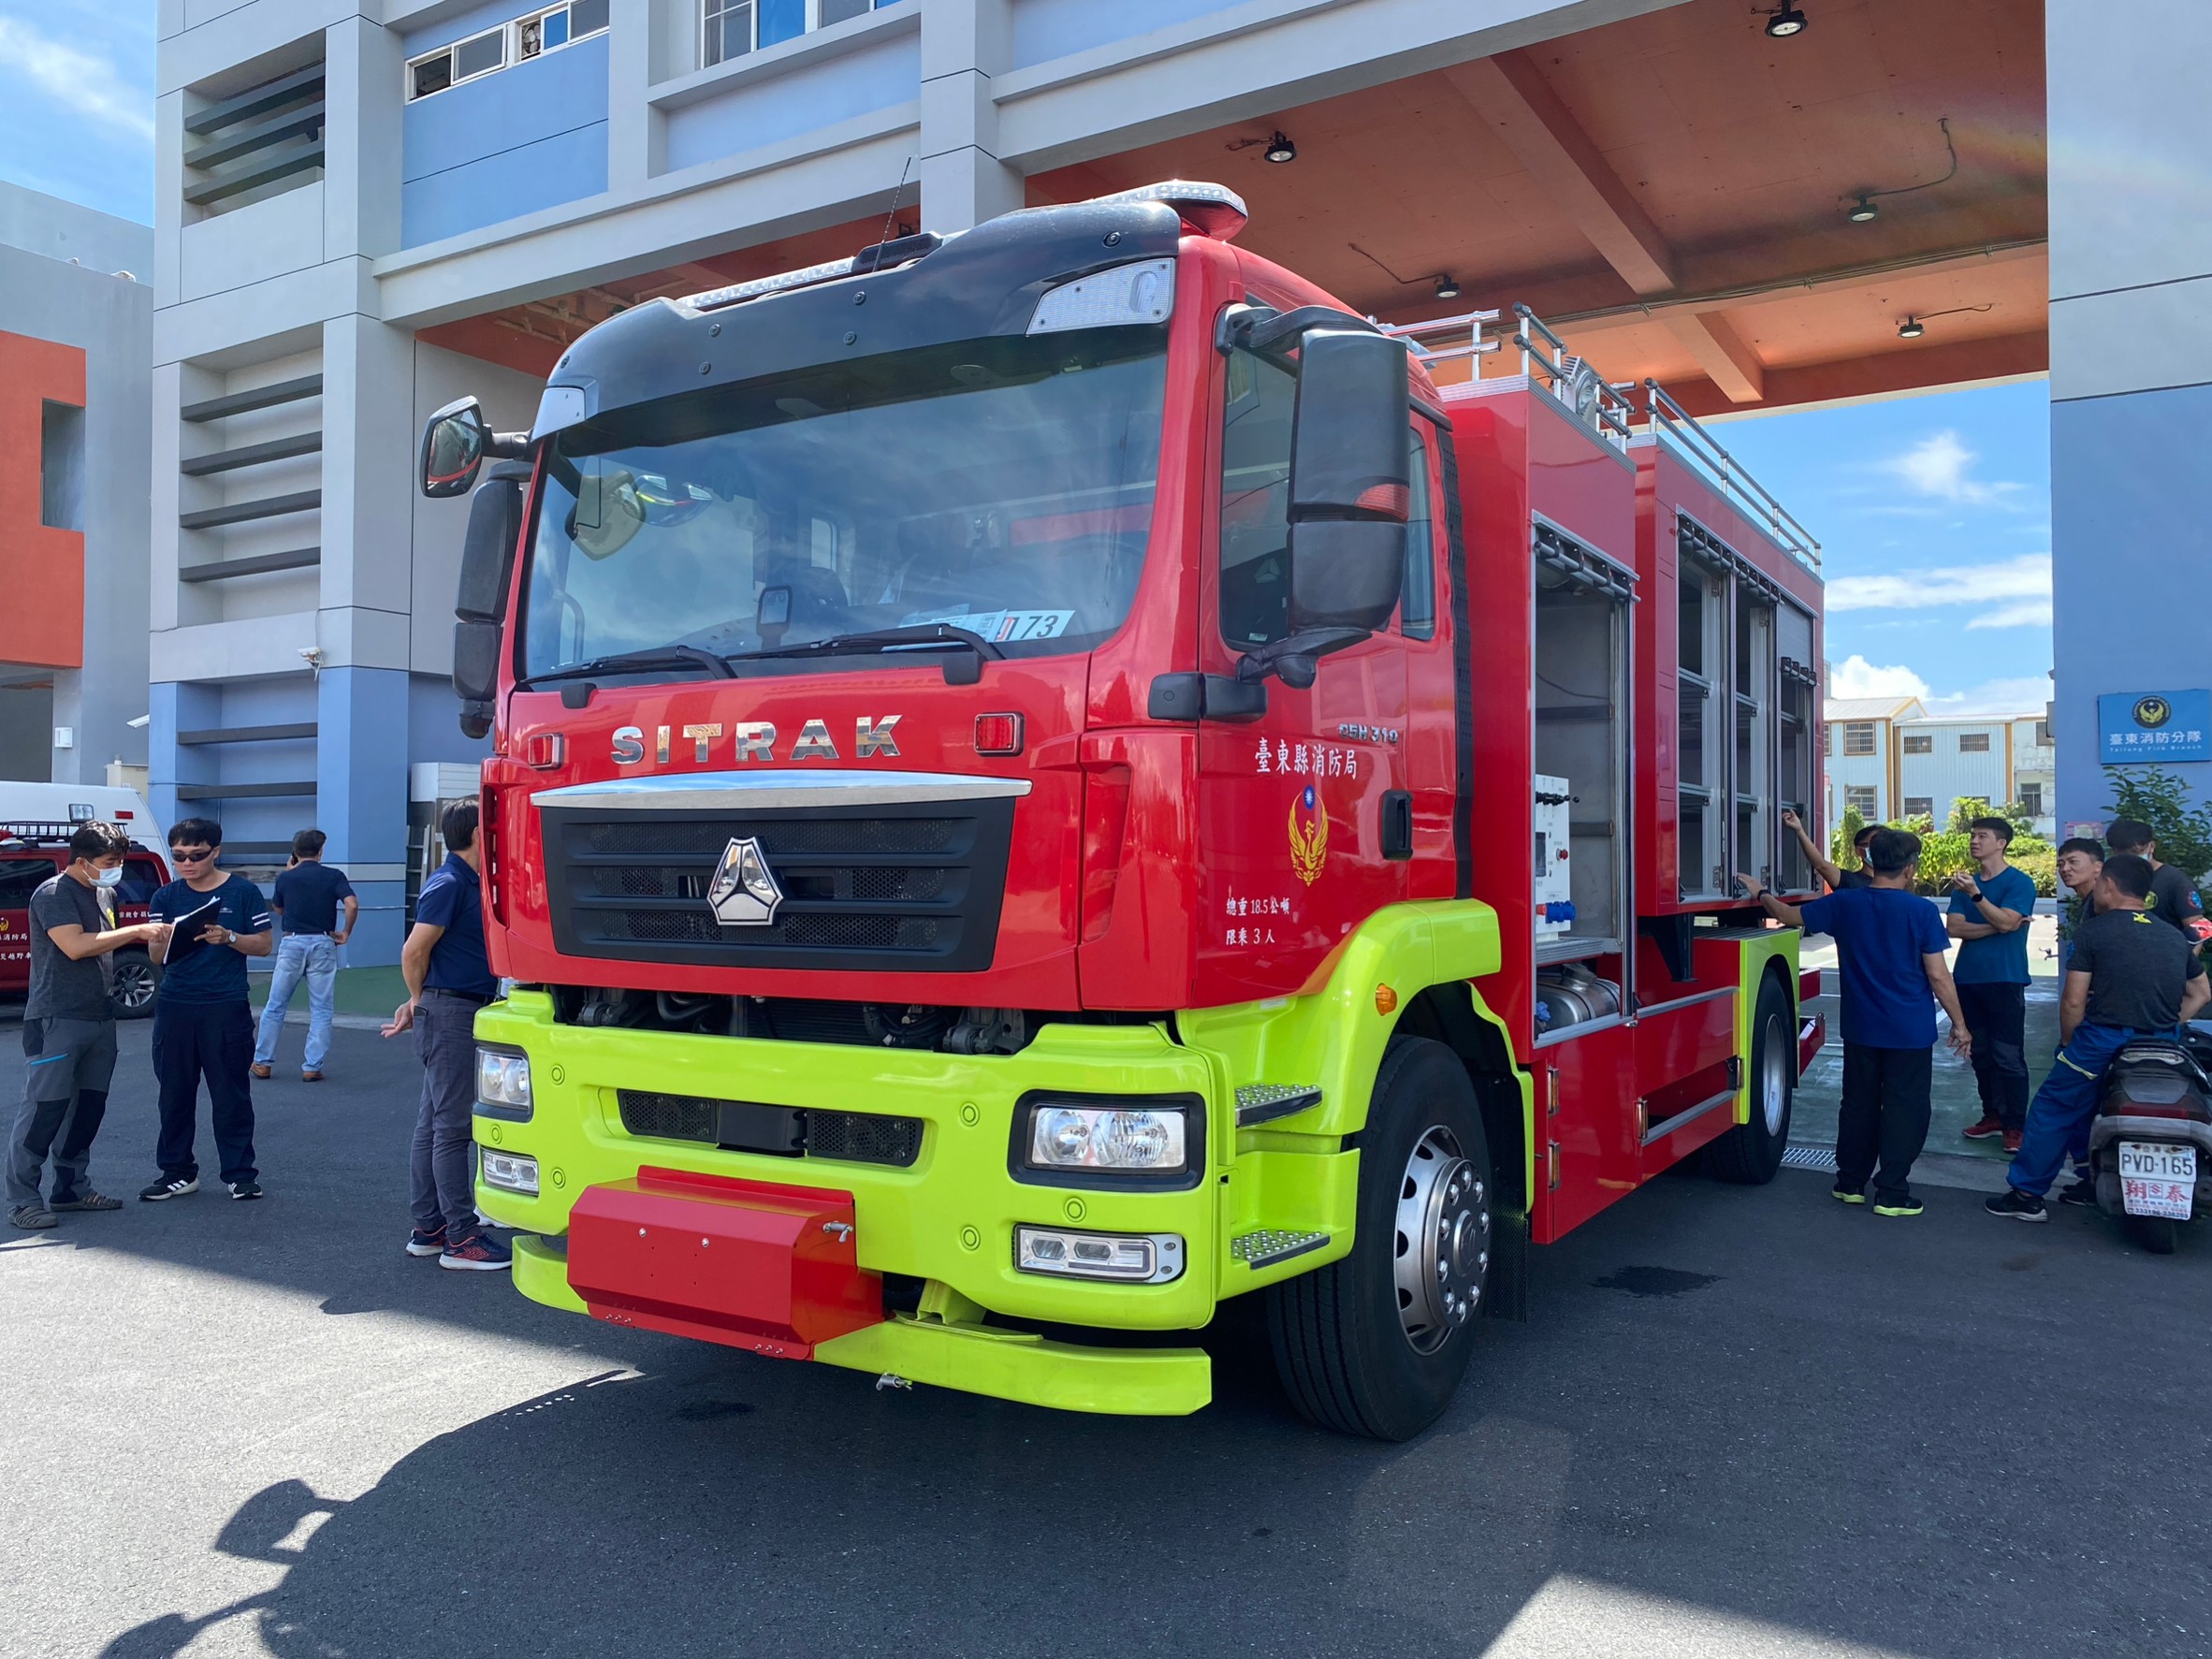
column 737, row 292
column 1214, row 209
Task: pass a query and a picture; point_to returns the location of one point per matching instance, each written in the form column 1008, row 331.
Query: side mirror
column 454, row 441
column 480, row 602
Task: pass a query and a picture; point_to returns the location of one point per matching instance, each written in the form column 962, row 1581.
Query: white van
column 75, row 803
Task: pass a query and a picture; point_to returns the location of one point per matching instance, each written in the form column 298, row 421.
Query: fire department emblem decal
column 1309, row 835
column 744, row 892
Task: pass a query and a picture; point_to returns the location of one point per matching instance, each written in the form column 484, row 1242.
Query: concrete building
column 76, row 329
column 1861, row 755
column 366, row 207
column 1888, row 758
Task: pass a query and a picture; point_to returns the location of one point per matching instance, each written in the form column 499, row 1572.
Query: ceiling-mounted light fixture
column 1447, row 288
column 1785, row 21
column 1862, row 210
column 1280, row 149
column 1912, row 327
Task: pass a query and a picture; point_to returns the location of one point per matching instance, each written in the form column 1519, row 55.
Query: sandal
column 31, row 1217
column 91, row 1201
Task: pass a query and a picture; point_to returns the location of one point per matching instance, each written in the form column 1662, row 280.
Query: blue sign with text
column 2154, row 726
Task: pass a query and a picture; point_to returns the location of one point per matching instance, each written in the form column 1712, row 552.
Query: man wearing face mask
column 69, row 1027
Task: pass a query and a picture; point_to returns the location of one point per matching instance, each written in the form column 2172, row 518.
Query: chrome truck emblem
column 744, row 892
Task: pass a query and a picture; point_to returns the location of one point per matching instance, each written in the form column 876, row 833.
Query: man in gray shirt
column 69, row 1027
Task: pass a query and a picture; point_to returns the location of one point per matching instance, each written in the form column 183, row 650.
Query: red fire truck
column 1049, row 777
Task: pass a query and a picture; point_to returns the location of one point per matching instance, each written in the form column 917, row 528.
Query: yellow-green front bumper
column 948, row 1219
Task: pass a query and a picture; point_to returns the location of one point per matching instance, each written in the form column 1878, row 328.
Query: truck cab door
column 1291, row 805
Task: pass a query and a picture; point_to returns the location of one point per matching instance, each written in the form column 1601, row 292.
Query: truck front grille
column 909, row 887
column 783, row 1131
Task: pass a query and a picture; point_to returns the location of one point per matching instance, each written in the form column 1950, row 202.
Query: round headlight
column 1064, row 1136
column 1133, row 1141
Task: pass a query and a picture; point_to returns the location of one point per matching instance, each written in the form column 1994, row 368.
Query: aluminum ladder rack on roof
column 1544, row 363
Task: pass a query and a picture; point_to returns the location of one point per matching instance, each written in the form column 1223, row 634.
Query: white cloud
column 1855, row 677
column 1938, row 465
column 2024, row 694
column 87, row 84
column 2027, row 613
column 2020, row 587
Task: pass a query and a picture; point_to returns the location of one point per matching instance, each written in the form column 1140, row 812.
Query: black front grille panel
column 902, row 887
column 783, row 1131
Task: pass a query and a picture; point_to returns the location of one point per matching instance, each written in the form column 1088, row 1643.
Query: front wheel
column 131, row 991
column 1750, row 1153
column 1375, row 1343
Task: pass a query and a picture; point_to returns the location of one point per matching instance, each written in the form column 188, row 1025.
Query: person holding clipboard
column 202, row 1025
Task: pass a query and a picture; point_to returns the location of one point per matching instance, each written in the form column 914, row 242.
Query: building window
column 2043, row 733
column 1860, row 798
column 61, row 466
column 1858, row 737
column 1973, row 742
column 2032, row 799
column 1919, row 743
column 731, row 28
column 1828, row 741
column 515, row 42
column 1920, row 807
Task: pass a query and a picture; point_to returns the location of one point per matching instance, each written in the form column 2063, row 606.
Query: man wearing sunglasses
column 202, row 1025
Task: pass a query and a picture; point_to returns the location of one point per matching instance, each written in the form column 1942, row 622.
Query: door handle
column 1397, row 823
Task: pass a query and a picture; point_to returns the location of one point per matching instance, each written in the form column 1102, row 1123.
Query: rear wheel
column 131, row 992
column 2155, row 1235
column 1751, row 1152
column 1377, row 1344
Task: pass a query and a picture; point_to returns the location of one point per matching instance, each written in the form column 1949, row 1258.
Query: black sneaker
column 426, row 1243
column 169, row 1187
column 478, row 1253
column 2082, row 1190
column 1849, row 1194
column 243, row 1190
column 2017, row 1206
column 1906, row 1205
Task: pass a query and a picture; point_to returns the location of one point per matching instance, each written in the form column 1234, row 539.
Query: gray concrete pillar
column 964, row 43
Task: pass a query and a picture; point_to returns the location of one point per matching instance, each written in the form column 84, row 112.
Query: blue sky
column 1934, row 512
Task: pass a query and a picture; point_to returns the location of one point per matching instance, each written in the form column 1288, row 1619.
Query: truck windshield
column 1002, row 486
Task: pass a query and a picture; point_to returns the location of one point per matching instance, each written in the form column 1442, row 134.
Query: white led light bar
column 1141, row 293
column 714, row 299
column 1202, row 204
column 1123, row 1258
column 510, row 1172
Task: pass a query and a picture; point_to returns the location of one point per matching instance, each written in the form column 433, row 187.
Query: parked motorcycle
column 2153, row 1125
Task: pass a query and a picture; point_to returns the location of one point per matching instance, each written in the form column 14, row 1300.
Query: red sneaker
column 2011, row 1141
column 1985, row 1128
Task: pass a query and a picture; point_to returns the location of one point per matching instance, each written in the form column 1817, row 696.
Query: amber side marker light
column 999, row 733
column 1385, row 999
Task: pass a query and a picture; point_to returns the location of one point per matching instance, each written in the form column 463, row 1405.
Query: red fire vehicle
column 31, row 854
column 1049, row 777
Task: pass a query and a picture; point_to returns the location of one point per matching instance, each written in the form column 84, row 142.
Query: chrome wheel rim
column 1442, row 1248
column 1774, row 1080
column 134, row 986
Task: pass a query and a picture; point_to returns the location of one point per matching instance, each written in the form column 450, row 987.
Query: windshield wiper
column 642, row 661
column 892, row 639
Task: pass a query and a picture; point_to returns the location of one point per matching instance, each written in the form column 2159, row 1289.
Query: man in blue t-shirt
column 448, row 979
column 202, row 1026
column 1890, row 953
column 1990, row 905
column 309, row 898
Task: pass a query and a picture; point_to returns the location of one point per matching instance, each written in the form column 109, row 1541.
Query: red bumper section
column 1812, row 1031
column 746, row 1264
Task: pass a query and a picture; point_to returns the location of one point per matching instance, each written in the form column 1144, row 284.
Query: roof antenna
column 891, row 219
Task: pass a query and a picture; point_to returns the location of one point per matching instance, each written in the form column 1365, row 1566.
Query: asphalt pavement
column 1737, row 1421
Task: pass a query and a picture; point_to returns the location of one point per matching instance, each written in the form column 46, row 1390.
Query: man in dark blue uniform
column 202, row 1025
column 448, row 979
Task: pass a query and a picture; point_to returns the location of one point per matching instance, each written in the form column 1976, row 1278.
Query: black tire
column 131, row 993
column 1355, row 1351
column 1750, row 1153
column 2154, row 1234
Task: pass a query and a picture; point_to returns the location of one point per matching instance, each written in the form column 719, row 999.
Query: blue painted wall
column 363, row 802
column 528, row 136
column 1048, row 29
column 433, row 722
column 800, row 100
column 2131, row 544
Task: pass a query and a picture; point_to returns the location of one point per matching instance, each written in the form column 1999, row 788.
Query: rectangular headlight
column 1130, row 1258
column 1137, row 1140
column 510, row 1172
column 503, row 1083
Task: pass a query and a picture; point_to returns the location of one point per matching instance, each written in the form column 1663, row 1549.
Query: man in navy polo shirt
column 448, row 979
column 308, row 900
column 1890, row 953
column 1989, row 911
column 202, row 1025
